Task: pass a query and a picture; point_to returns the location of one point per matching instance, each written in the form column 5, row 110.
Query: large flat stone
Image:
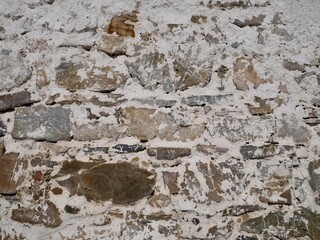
column 13, row 100
column 123, row 183
column 42, row 123
column 202, row 100
column 167, row 153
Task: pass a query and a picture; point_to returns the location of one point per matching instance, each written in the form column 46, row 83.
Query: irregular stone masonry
column 195, row 119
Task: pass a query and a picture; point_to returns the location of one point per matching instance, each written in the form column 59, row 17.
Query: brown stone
column 159, row 201
column 142, row 125
column 13, row 100
column 244, row 73
column 166, row 153
column 293, row 66
column 46, row 213
column 210, row 150
column 170, row 179
column 263, row 108
column 120, row 25
column 314, row 173
column 106, row 80
column 121, row 182
column 9, row 164
column 259, row 152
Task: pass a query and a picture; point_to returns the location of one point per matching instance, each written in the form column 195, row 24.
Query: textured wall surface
column 189, row 119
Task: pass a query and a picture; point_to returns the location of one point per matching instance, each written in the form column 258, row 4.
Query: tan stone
column 141, row 123
column 170, row 179
column 263, row 108
column 244, row 73
column 120, row 25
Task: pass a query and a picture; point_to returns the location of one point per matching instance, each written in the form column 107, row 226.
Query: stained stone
column 124, row 148
column 9, row 163
column 120, row 25
column 101, row 79
column 42, row 123
column 13, row 72
column 3, row 129
column 13, row 100
column 244, row 74
column 166, row 153
column 123, row 183
column 259, row 152
column 202, row 100
column 46, row 213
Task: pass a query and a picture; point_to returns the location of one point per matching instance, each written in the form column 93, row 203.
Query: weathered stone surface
column 13, row 72
column 292, row 66
column 242, row 129
column 159, row 201
column 259, row 152
column 211, row 150
column 42, row 123
column 253, row 22
column 244, row 74
column 3, row 129
column 156, row 102
column 13, row 100
column 96, row 149
column 112, row 45
column 142, row 124
column 9, row 164
column 294, row 130
column 101, row 79
column 121, row 182
column 124, row 148
column 151, row 69
column 46, row 213
column 202, row 100
column 263, row 108
column 284, row 227
column 238, row 210
column 314, row 172
column 170, row 179
column 216, row 175
column 191, row 71
column 167, row 153
column 95, row 131
column 120, row 25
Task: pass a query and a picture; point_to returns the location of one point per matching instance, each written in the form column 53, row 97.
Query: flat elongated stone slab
column 13, row 100
column 164, row 153
column 124, row 148
column 206, row 99
column 124, row 183
column 42, row 123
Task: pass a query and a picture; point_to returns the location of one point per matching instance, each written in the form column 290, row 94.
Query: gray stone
column 95, row 131
column 259, row 152
column 13, row 72
column 166, row 153
column 207, row 99
column 3, row 129
column 151, row 69
column 96, row 149
column 124, row 148
column 300, row 134
column 13, row 100
column 42, row 123
column 315, row 176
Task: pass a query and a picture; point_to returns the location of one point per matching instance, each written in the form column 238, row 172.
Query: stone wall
column 193, row 119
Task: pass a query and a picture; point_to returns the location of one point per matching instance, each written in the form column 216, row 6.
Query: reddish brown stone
column 9, row 163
